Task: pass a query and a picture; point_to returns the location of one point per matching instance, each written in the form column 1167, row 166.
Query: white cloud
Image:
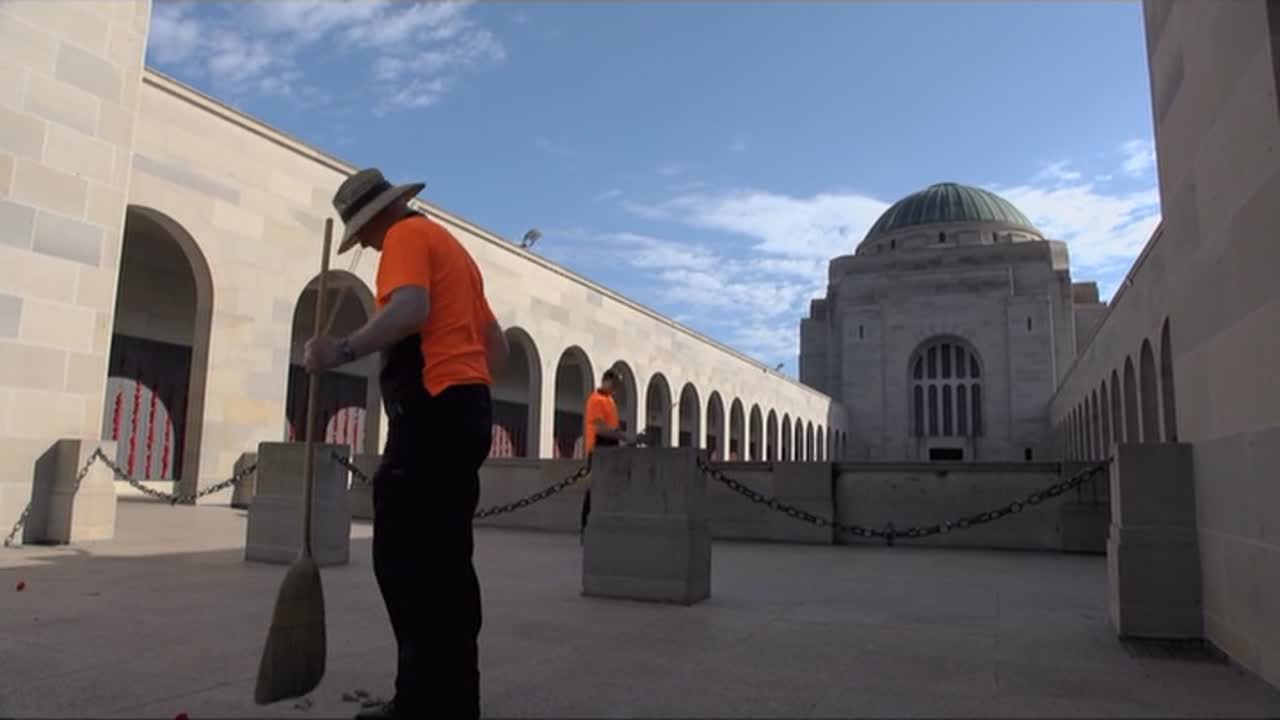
column 820, row 226
column 552, row 147
column 414, row 51
column 757, row 291
column 671, row 170
column 1058, row 172
column 1139, row 158
column 739, row 144
column 1104, row 232
column 173, row 36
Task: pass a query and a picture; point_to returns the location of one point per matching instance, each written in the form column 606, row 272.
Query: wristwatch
column 345, row 351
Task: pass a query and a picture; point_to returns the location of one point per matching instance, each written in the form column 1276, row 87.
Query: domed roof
column 949, row 203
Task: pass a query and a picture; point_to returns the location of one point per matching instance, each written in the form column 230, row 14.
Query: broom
column 293, row 659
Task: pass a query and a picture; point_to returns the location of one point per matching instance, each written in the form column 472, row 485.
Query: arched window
column 946, row 391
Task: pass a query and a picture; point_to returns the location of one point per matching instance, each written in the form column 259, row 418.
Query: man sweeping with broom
column 440, row 346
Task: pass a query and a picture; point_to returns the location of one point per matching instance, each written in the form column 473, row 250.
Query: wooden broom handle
column 313, row 392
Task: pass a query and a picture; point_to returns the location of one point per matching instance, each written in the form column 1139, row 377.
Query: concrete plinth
column 242, row 494
column 63, row 512
column 1153, row 559
column 1084, row 527
column 361, row 492
column 648, row 537
column 274, row 532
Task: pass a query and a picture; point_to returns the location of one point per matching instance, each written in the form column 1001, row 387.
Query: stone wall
column 868, row 494
column 915, row 494
column 254, row 201
column 69, row 87
column 1190, row 339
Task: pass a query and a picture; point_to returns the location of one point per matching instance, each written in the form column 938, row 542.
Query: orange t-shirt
column 600, row 406
column 418, row 251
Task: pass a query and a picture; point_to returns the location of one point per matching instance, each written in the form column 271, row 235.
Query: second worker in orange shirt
column 600, row 428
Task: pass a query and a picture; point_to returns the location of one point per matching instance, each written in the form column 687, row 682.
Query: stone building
column 155, row 279
column 945, row 333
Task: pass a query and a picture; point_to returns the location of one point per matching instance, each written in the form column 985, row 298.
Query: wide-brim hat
column 362, row 196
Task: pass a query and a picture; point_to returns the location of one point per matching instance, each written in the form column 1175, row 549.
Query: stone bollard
column 648, row 537
column 1153, row 558
column 362, row 487
column 242, row 494
column 274, row 531
column 62, row 512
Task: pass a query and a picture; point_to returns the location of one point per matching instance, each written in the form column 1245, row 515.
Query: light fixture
column 530, row 238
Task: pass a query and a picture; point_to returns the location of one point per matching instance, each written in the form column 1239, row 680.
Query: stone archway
column 1149, row 397
column 574, row 382
column 755, row 435
column 1168, row 402
column 349, row 411
column 1132, row 426
column 715, row 426
column 737, row 432
column 158, row 362
column 786, row 453
column 690, row 415
column 517, row 399
column 658, row 409
column 771, row 437
column 627, row 398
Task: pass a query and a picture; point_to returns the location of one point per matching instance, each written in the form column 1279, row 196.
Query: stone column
column 69, row 78
column 274, row 530
column 66, row 508
column 1153, row 557
column 649, row 537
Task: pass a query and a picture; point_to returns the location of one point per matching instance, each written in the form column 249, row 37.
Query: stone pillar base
column 361, row 491
column 648, row 537
column 1154, row 581
column 62, row 512
column 274, row 531
column 1084, row 527
column 1153, row 558
column 242, row 493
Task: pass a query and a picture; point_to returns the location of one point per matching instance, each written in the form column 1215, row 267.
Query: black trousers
column 586, row 509
column 425, row 493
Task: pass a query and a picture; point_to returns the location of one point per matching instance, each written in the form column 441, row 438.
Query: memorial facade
column 947, row 331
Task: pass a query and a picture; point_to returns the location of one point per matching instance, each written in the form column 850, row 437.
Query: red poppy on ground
column 22, row 585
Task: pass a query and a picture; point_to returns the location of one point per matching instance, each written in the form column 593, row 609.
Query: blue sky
column 706, row 159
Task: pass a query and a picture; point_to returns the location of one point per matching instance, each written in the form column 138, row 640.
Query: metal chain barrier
column 496, row 509
column 181, row 497
column 889, row 533
column 99, row 456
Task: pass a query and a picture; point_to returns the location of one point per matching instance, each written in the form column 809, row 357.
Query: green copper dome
column 950, row 203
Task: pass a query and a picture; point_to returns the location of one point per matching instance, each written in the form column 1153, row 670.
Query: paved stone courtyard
column 168, row 619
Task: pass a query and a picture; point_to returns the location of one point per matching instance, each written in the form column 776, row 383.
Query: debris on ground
column 303, row 704
column 22, row 585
